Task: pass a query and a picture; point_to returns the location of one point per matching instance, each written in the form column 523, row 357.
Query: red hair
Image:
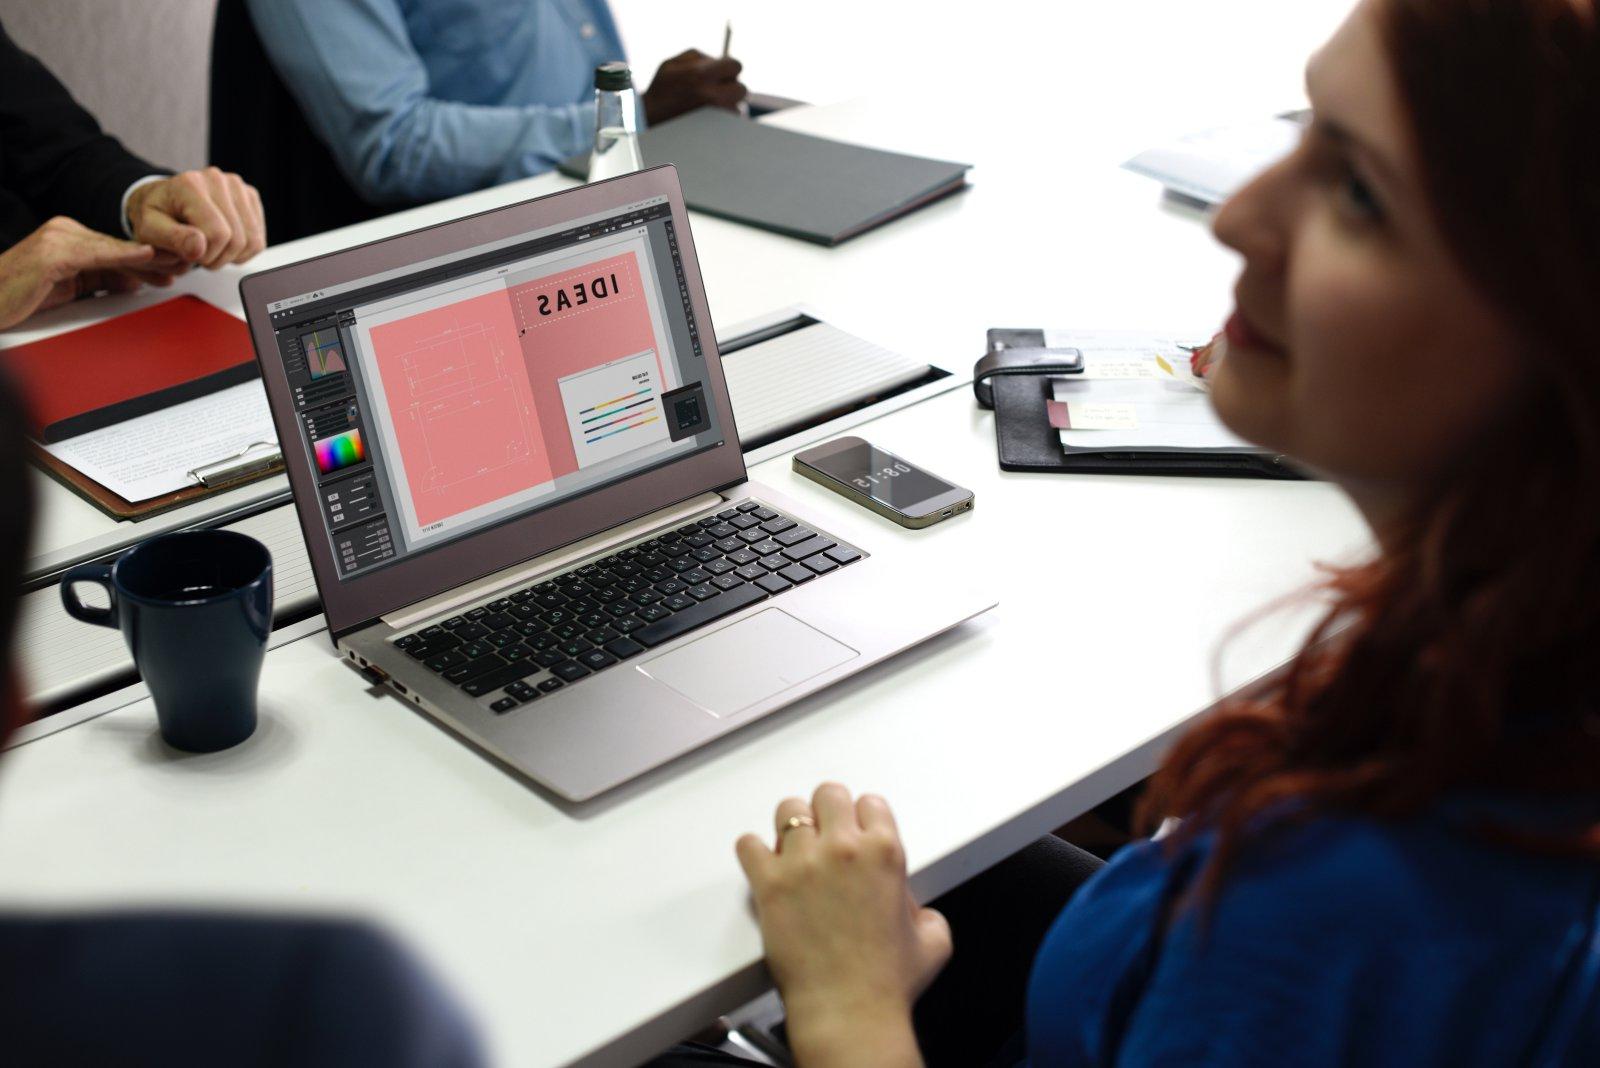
column 1460, row 659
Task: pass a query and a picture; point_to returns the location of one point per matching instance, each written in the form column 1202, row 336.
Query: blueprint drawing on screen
column 517, row 383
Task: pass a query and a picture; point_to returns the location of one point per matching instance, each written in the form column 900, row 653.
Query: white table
column 1046, row 100
column 600, row 933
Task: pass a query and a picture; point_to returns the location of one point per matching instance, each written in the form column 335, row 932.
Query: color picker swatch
column 343, row 450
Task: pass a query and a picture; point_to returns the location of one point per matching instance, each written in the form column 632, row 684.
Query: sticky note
column 1123, row 368
column 1089, row 415
column 1182, row 374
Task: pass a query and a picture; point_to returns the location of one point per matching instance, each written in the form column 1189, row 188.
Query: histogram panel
column 324, row 353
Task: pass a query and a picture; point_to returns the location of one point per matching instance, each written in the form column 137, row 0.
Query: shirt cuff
column 127, row 224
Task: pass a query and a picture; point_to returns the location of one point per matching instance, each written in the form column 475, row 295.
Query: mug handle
column 97, row 573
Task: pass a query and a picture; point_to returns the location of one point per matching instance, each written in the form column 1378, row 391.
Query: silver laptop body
column 517, row 471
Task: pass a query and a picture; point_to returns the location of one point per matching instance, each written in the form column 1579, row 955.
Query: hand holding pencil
column 692, row 79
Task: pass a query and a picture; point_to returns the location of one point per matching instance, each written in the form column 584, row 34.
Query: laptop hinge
column 529, row 570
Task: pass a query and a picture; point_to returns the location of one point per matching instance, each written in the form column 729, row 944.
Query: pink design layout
column 462, row 407
column 561, row 337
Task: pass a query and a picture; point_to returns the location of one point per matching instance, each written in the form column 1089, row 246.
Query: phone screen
column 881, row 475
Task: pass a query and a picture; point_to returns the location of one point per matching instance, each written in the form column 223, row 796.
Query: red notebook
column 128, row 366
column 122, row 368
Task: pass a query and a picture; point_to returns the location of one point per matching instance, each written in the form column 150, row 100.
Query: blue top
column 1344, row 942
column 423, row 99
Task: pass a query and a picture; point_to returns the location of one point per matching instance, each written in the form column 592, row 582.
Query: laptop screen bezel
column 357, row 601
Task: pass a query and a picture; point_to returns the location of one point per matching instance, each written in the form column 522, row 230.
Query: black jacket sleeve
column 53, row 155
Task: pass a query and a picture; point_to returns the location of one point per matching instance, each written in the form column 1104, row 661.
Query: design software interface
column 476, row 388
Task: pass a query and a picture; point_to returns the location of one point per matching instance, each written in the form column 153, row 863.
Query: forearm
column 436, row 149
column 852, row 1036
column 94, row 197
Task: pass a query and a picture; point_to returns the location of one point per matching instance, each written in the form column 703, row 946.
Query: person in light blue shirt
column 424, row 99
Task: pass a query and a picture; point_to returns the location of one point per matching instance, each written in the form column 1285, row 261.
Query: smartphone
column 882, row 482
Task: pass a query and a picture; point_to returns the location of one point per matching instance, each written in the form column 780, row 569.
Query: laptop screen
column 471, row 390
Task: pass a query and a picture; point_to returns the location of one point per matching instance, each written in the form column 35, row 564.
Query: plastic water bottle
column 616, row 134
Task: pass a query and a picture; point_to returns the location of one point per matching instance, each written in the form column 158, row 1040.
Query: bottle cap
column 613, row 76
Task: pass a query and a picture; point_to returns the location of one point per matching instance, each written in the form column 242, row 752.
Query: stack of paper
column 1135, row 392
column 151, row 455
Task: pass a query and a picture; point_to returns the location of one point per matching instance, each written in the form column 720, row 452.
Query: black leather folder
column 1027, row 442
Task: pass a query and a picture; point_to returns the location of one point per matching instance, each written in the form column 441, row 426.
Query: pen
column 727, row 37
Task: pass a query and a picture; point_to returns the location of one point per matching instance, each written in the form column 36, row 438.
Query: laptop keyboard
column 542, row 638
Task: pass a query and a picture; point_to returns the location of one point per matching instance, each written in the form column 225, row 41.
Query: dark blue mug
column 196, row 610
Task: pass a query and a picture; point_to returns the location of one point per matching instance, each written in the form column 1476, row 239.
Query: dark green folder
column 790, row 183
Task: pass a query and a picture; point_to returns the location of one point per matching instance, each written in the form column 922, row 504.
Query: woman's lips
column 1242, row 335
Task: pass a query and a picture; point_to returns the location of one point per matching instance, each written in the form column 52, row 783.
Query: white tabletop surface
column 604, row 931
column 1045, row 99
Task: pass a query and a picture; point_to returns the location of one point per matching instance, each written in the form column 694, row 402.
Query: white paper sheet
column 153, row 454
column 1170, row 413
column 1098, row 415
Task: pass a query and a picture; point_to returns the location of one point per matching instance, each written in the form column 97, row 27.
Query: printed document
column 153, row 454
column 1135, row 403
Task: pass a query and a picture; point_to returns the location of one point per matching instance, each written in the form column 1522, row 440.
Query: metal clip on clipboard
column 256, row 457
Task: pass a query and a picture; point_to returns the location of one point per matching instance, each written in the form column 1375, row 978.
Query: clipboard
column 131, row 365
column 120, row 508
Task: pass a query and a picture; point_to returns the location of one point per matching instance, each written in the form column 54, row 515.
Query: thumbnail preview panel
column 614, row 408
column 591, row 343
column 461, row 412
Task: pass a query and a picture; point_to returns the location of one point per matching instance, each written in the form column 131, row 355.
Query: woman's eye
column 1356, row 196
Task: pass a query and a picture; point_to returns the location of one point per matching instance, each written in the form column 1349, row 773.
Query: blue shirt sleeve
column 365, row 91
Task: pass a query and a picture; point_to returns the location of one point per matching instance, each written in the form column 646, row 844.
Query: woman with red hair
column 1392, row 857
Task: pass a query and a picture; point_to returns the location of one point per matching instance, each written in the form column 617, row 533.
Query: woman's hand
column 847, row 945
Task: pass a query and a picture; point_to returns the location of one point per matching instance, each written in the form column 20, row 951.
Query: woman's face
column 1357, row 345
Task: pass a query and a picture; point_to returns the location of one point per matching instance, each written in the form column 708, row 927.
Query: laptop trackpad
column 751, row 660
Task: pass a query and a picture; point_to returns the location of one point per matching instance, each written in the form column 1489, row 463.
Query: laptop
column 516, row 467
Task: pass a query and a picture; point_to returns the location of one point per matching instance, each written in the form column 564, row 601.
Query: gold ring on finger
column 796, row 821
